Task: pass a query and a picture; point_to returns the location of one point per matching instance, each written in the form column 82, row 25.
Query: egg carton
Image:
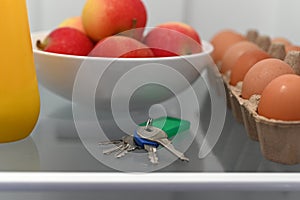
column 279, row 140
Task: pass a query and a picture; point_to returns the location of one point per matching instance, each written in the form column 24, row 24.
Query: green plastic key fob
column 170, row 125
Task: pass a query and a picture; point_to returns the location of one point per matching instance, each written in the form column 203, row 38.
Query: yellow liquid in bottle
column 19, row 95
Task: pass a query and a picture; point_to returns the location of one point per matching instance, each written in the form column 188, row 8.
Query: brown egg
column 281, row 40
column 222, row 40
column 280, row 99
column 244, row 63
column 234, row 52
column 261, row 74
column 292, row 48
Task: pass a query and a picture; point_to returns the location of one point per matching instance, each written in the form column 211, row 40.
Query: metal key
column 151, row 153
column 122, row 151
column 129, row 145
column 149, row 146
column 115, row 148
column 122, row 146
column 118, row 146
column 110, row 142
column 157, row 135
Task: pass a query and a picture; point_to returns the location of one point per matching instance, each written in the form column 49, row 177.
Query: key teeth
column 121, row 154
column 185, row 159
column 122, row 147
column 122, row 151
column 110, row 142
column 125, row 151
column 111, row 150
column 153, row 158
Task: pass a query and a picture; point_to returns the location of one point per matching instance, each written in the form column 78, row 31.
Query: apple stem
column 134, row 24
column 40, row 45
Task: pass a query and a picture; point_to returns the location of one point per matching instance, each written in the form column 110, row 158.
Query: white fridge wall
column 208, row 17
column 47, row 14
column 271, row 17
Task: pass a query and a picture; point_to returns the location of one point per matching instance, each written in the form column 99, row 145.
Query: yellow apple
column 102, row 18
column 73, row 22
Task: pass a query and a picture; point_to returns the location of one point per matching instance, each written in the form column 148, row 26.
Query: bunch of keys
column 121, row 147
column 149, row 136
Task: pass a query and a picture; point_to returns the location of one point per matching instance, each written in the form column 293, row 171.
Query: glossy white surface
column 64, row 73
column 171, row 182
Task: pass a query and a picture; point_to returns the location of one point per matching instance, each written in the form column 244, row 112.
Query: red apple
column 66, row 40
column 121, row 47
column 173, row 39
column 103, row 18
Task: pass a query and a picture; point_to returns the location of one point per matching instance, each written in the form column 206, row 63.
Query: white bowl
column 58, row 72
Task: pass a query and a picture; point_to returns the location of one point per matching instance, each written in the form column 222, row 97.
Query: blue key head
column 141, row 142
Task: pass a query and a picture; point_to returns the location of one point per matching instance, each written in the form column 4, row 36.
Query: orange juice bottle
column 19, row 95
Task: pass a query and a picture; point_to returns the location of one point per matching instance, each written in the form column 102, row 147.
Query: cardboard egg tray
column 279, row 140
